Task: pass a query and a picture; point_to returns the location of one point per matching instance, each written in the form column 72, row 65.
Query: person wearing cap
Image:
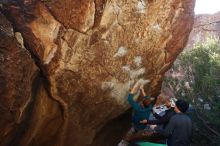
column 141, row 111
column 179, row 128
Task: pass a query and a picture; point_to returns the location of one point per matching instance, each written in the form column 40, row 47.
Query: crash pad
column 150, row 144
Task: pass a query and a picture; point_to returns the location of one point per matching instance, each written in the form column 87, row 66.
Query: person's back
column 161, row 119
column 179, row 128
column 182, row 132
column 164, row 119
column 139, row 113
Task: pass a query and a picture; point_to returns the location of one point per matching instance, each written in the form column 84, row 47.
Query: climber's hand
column 148, row 133
column 135, row 88
column 143, row 121
column 147, row 81
column 152, row 98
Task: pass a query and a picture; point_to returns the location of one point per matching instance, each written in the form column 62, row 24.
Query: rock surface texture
column 205, row 26
column 67, row 65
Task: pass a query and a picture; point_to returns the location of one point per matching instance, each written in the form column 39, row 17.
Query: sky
column 207, row 6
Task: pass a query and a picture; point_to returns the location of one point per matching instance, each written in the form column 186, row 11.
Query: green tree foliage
column 202, row 66
column 200, row 79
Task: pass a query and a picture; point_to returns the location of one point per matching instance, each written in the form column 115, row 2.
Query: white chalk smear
column 138, row 60
column 126, row 68
column 157, row 27
column 122, row 51
column 141, row 6
column 136, row 73
column 107, row 85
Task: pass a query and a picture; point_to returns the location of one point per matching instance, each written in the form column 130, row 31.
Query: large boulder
column 26, row 109
column 90, row 53
column 17, row 79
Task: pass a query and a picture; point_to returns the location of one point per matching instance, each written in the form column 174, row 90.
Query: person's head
column 181, row 106
column 165, row 99
column 146, row 102
column 172, row 102
column 167, row 102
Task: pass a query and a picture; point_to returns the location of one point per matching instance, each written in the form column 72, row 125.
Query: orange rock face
column 90, row 53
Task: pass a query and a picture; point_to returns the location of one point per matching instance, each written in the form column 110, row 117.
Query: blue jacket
column 140, row 113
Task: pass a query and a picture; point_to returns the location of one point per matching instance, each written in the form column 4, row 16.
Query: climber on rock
column 141, row 111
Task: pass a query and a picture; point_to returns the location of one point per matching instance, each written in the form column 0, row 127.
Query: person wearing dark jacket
column 162, row 120
column 179, row 128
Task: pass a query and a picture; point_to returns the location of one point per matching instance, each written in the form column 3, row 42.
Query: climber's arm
column 131, row 101
column 133, row 104
column 162, row 120
column 143, row 92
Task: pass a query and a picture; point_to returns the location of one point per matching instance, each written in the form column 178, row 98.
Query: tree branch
column 206, row 125
column 203, row 121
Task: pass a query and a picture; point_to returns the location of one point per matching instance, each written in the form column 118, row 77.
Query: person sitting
column 170, row 104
